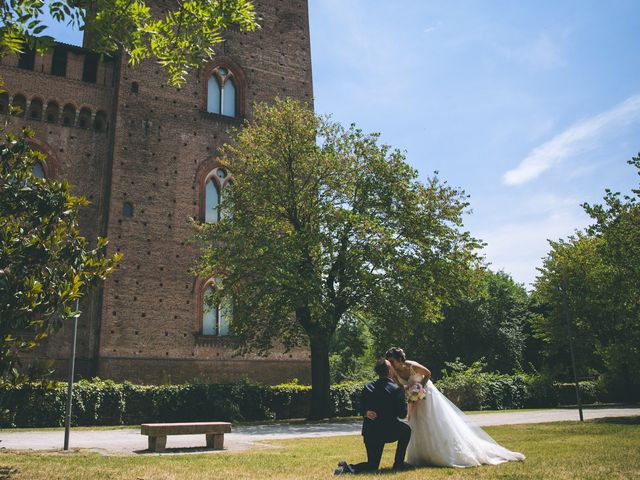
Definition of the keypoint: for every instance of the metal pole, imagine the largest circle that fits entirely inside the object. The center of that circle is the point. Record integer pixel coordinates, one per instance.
(72, 362)
(570, 335)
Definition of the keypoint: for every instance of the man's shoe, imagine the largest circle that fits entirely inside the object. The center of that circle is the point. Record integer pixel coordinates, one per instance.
(343, 467)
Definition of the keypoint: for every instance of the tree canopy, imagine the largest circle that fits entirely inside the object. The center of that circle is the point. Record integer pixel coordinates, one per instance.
(180, 40)
(598, 273)
(322, 221)
(45, 263)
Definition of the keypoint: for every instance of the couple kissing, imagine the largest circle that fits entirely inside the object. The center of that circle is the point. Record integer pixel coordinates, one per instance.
(435, 432)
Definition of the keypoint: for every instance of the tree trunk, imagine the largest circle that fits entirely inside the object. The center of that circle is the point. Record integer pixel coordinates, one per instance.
(320, 379)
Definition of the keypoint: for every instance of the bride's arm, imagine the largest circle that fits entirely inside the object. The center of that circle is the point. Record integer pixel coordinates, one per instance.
(422, 370)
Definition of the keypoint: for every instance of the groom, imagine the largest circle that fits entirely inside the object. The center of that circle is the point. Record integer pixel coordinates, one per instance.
(381, 404)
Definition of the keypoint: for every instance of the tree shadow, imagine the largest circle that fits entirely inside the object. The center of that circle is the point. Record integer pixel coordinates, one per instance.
(618, 420)
(6, 472)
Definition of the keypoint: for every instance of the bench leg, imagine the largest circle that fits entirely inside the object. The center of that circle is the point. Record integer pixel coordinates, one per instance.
(215, 441)
(157, 444)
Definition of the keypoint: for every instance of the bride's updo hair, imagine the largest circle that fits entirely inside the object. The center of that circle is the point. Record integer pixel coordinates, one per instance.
(397, 353)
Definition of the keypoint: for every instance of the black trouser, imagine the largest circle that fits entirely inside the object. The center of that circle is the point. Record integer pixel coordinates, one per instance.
(397, 432)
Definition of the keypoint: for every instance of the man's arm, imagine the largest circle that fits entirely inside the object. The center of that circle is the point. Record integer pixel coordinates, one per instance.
(401, 403)
(365, 405)
(364, 401)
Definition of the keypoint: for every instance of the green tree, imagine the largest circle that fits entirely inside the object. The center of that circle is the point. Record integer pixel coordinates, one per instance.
(45, 263)
(180, 41)
(488, 323)
(352, 354)
(572, 282)
(598, 273)
(321, 222)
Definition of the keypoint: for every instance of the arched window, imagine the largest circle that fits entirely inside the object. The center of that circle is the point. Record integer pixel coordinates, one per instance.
(19, 101)
(35, 109)
(69, 115)
(213, 194)
(38, 170)
(221, 93)
(215, 316)
(100, 122)
(84, 118)
(52, 113)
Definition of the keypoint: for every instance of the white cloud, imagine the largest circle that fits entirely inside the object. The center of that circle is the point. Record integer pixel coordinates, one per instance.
(580, 137)
(518, 247)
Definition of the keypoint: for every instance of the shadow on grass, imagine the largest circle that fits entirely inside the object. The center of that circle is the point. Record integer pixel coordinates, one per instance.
(175, 450)
(7, 472)
(617, 420)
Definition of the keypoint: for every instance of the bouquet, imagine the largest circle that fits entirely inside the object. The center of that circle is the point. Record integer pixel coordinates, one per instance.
(415, 392)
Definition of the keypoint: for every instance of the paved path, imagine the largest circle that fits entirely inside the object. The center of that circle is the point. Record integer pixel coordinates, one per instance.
(129, 441)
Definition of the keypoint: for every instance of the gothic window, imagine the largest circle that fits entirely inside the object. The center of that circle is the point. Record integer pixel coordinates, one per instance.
(215, 316)
(135, 88)
(35, 109)
(84, 118)
(213, 195)
(38, 170)
(69, 115)
(221, 93)
(52, 112)
(59, 62)
(19, 102)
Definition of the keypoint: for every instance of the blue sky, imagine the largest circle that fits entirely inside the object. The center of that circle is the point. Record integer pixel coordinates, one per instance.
(531, 107)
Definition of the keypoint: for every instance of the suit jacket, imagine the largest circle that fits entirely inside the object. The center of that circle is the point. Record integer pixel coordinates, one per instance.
(387, 399)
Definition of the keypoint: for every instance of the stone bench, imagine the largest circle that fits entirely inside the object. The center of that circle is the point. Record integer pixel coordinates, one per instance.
(157, 432)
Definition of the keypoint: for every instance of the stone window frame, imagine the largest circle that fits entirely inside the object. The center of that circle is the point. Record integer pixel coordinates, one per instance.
(202, 287)
(240, 83)
(207, 171)
(50, 164)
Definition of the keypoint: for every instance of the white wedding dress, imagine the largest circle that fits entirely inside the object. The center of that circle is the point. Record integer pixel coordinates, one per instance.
(443, 436)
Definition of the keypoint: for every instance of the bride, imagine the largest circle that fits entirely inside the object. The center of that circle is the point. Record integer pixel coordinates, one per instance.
(441, 434)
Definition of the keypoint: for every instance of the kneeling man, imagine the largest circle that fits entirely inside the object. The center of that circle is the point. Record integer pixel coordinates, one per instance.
(382, 404)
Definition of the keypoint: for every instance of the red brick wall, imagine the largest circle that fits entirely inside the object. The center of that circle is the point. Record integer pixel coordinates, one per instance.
(160, 141)
(75, 154)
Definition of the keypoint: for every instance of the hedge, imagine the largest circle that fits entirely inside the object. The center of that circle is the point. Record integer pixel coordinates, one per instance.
(471, 388)
(99, 402)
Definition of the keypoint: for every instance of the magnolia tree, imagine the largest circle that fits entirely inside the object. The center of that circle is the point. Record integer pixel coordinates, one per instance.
(45, 263)
(322, 222)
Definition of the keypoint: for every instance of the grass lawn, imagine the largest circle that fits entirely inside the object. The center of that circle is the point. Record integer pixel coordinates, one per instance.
(604, 449)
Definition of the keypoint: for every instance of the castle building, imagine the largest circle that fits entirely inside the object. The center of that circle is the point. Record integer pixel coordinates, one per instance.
(145, 155)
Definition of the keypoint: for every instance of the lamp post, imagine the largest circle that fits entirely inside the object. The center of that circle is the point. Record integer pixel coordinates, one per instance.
(72, 362)
(567, 317)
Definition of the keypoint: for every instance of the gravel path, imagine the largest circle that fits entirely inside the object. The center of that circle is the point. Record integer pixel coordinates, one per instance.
(129, 441)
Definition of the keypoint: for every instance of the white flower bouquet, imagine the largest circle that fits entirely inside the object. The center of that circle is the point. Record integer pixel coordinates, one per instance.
(415, 392)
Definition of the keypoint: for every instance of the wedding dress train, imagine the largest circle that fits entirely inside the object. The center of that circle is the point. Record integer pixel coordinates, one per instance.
(442, 435)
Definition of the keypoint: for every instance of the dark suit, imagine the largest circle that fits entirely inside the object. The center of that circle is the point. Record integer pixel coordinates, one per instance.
(387, 399)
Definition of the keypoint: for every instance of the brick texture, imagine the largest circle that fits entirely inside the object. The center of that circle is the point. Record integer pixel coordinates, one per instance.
(142, 324)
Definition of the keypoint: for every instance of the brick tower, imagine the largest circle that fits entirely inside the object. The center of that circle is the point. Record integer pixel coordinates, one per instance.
(145, 154)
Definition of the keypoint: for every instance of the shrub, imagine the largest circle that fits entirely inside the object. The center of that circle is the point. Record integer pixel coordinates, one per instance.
(99, 402)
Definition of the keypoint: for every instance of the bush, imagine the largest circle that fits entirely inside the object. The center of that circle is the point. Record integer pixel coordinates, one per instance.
(471, 388)
(590, 392)
(99, 402)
